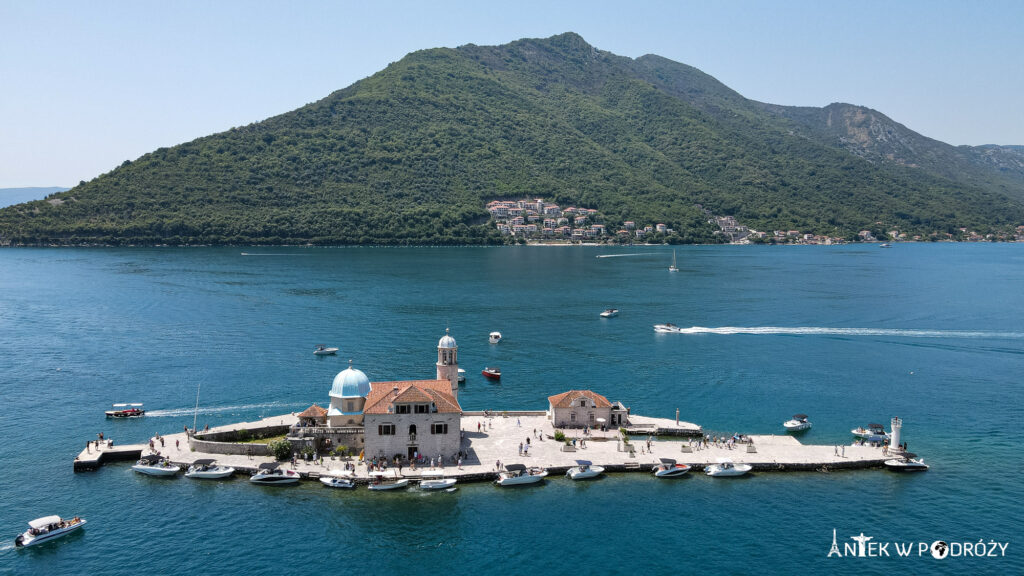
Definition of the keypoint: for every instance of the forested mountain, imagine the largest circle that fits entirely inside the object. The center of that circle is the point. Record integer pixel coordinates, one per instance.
(411, 155)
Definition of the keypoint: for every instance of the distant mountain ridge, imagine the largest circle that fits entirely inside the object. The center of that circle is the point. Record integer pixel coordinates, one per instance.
(411, 155)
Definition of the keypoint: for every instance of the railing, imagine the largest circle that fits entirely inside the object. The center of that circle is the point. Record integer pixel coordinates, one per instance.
(323, 430)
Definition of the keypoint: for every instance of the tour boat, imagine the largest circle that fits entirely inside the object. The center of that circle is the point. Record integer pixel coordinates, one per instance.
(271, 474)
(155, 465)
(495, 337)
(799, 423)
(338, 479)
(673, 268)
(377, 480)
(207, 468)
(47, 528)
(725, 467)
(610, 313)
(517, 474)
(584, 470)
(322, 350)
(907, 463)
(435, 480)
(494, 373)
(667, 328)
(870, 432)
(123, 410)
(669, 469)
(462, 375)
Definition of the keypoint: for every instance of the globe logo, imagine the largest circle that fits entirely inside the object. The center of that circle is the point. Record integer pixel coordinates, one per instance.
(940, 549)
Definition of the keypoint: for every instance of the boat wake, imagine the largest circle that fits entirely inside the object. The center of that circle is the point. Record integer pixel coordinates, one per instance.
(825, 331)
(620, 255)
(215, 409)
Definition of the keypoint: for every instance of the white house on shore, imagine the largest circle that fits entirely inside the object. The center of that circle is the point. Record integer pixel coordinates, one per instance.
(578, 408)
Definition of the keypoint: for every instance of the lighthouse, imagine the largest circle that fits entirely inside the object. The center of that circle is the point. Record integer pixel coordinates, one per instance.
(894, 436)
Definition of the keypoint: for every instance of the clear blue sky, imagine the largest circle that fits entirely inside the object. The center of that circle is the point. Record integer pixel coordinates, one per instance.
(87, 85)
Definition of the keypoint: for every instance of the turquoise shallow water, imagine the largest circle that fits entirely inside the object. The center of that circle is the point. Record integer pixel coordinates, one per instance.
(932, 333)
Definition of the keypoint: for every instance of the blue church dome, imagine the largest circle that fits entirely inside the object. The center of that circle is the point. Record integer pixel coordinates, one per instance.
(350, 383)
(446, 341)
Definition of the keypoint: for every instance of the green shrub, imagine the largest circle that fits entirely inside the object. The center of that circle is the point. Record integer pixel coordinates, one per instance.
(559, 436)
(281, 448)
(243, 435)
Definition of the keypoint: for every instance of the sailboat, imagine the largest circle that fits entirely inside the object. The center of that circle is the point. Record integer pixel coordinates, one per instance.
(673, 268)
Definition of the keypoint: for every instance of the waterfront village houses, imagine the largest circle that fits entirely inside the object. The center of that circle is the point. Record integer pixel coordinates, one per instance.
(578, 408)
(392, 418)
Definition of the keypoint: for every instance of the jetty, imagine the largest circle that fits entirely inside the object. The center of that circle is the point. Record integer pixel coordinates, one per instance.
(490, 438)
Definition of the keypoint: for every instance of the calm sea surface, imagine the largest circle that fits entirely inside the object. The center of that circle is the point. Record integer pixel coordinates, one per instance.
(850, 335)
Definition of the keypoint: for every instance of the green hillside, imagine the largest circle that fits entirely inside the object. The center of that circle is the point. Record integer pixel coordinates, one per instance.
(411, 154)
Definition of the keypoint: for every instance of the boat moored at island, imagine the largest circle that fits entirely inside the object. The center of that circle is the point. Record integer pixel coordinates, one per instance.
(46, 529)
(907, 462)
(519, 474)
(726, 468)
(610, 313)
(435, 480)
(462, 375)
(492, 372)
(339, 479)
(387, 480)
(207, 468)
(870, 432)
(322, 350)
(584, 470)
(494, 337)
(799, 423)
(271, 474)
(669, 468)
(155, 465)
(126, 410)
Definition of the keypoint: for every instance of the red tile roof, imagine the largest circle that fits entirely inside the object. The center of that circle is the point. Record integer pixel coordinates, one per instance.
(384, 394)
(565, 399)
(313, 411)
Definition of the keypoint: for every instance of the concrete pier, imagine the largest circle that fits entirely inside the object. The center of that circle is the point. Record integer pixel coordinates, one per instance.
(489, 439)
(95, 454)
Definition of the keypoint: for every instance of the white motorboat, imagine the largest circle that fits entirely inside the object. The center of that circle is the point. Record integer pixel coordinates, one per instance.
(435, 480)
(47, 528)
(799, 423)
(669, 468)
(495, 337)
(871, 431)
(667, 328)
(322, 350)
(207, 468)
(907, 463)
(339, 479)
(885, 245)
(726, 467)
(155, 465)
(271, 474)
(387, 480)
(584, 470)
(462, 375)
(610, 313)
(126, 410)
(518, 474)
(673, 268)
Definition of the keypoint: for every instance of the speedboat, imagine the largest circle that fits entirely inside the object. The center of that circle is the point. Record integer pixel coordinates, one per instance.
(207, 468)
(870, 432)
(271, 474)
(584, 470)
(885, 245)
(725, 467)
(462, 375)
(907, 463)
(126, 410)
(799, 423)
(377, 480)
(495, 337)
(435, 480)
(47, 528)
(517, 474)
(610, 313)
(669, 469)
(322, 350)
(338, 479)
(667, 328)
(494, 373)
(155, 465)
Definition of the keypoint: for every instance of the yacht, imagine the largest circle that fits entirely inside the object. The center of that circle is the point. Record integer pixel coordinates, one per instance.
(271, 474)
(673, 268)
(377, 480)
(870, 432)
(208, 468)
(725, 467)
(322, 350)
(610, 313)
(670, 469)
(517, 474)
(339, 479)
(584, 470)
(492, 372)
(668, 328)
(908, 462)
(799, 423)
(155, 465)
(47, 528)
(126, 410)
(435, 480)
(495, 337)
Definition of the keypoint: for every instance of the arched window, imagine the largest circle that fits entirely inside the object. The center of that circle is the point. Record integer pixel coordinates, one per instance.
(412, 430)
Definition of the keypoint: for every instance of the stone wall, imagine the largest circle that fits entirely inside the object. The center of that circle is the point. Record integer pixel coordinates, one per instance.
(223, 442)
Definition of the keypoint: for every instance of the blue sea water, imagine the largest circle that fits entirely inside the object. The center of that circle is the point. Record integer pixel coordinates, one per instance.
(850, 335)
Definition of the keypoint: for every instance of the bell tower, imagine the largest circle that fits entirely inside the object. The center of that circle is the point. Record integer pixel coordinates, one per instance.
(448, 362)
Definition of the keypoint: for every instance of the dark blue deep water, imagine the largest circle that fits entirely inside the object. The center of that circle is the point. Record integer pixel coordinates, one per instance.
(931, 333)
